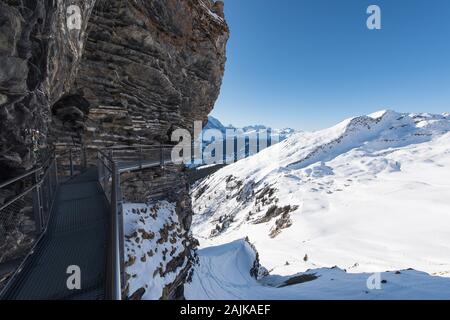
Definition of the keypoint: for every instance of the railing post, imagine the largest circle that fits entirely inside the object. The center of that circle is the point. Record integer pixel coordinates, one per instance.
(84, 158)
(56, 170)
(71, 162)
(161, 151)
(121, 241)
(53, 173)
(115, 287)
(99, 166)
(37, 204)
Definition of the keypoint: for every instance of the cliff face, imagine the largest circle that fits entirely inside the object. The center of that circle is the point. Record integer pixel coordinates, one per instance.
(39, 58)
(131, 74)
(146, 68)
(150, 67)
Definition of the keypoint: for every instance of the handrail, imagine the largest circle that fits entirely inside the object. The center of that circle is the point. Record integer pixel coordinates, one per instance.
(21, 177)
(109, 177)
(43, 191)
(20, 195)
(141, 146)
(35, 170)
(116, 225)
(40, 188)
(102, 152)
(108, 173)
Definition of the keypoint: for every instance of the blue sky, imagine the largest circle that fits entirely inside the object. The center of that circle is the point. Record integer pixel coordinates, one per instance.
(307, 64)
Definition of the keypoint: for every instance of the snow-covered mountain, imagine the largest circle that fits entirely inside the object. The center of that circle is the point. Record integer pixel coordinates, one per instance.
(249, 135)
(371, 194)
(214, 123)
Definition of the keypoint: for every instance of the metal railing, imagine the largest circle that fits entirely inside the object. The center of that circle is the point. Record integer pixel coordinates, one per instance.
(72, 161)
(24, 216)
(140, 157)
(109, 179)
(25, 206)
(111, 163)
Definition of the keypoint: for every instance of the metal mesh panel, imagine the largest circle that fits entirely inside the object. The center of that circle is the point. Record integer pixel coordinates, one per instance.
(71, 162)
(110, 163)
(25, 206)
(18, 233)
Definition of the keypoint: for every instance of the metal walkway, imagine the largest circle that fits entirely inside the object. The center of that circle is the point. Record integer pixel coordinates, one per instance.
(79, 224)
(76, 235)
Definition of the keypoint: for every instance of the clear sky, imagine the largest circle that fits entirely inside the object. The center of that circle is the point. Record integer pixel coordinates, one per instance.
(307, 64)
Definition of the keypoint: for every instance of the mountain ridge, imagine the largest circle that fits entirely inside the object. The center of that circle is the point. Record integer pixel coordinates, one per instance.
(352, 195)
(214, 123)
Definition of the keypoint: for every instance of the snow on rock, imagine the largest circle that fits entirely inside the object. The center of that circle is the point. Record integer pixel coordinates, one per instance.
(368, 195)
(155, 245)
(224, 272)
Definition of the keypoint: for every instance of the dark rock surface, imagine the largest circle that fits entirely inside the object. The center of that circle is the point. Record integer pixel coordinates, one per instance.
(130, 75)
(169, 183)
(149, 68)
(39, 58)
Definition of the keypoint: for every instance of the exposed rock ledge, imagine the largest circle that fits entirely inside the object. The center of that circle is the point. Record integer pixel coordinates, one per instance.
(134, 72)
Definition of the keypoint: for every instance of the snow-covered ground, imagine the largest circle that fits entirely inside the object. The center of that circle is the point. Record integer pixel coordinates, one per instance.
(223, 273)
(371, 194)
(153, 237)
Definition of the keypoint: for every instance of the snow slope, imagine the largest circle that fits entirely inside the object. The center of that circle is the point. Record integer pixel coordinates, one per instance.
(147, 257)
(223, 273)
(371, 194)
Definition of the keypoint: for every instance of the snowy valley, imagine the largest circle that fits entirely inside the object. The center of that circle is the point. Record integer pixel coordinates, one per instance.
(369, 195)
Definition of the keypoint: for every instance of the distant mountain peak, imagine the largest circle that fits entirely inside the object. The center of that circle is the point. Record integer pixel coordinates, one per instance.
(214, 123)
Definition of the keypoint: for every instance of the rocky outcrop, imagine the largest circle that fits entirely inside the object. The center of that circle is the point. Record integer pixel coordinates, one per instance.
(169, 183)
(130, 74)
(157, 251)
(39, 59)
(149, 68)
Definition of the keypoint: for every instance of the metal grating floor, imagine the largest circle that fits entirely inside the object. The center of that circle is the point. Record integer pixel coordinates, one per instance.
(76, 236)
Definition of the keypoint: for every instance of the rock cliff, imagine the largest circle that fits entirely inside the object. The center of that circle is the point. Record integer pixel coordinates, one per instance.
(39, 59)
(130, 74)
(150, 67)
